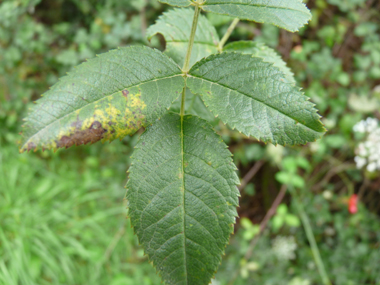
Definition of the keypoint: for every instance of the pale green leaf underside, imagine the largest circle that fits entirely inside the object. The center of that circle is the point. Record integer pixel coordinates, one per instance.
(175, 26)
(253, 97)
(288, 14)
(182, 198)
(266, 53)
(110, 96)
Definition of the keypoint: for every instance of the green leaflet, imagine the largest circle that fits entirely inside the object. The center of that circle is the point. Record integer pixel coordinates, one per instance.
(175, 26)
(178, 3)
(288, 14)
(108, 97)
(182, 198)
(266, 53)
(253, 97)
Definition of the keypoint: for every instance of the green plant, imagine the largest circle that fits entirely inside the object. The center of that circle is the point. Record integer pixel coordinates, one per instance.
(182, 192)
(283, 217)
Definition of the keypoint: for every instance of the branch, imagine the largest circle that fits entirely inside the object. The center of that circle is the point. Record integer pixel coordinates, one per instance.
(251, 173)
(263, 224)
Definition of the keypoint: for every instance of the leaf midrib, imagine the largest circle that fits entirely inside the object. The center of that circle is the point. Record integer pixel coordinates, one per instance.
(183, 185)
(93, 102)
(255, 99)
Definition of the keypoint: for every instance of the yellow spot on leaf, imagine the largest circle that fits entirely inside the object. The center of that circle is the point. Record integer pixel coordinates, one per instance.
(134, 100)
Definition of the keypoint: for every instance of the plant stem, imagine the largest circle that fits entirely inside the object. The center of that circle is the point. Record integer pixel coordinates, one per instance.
(310, 238)
(191, 40)
(251, 173)
(227, 34)
(273, 209)
(188, 56)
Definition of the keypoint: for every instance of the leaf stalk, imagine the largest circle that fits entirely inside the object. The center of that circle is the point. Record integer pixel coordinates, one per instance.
(191, 40)
(227, 34)
(186, 65)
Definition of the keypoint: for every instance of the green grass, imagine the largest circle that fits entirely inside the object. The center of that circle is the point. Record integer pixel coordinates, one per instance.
(63, 219)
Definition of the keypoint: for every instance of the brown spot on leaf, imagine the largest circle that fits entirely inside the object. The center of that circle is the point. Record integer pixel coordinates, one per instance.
(77, 124)
(91, 135)
(125, 93)
(31, 146)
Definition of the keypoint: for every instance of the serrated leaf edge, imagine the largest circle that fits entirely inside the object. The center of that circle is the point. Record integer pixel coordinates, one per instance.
(231, 225)
(315, 111)
(23, 143)
(307, 12)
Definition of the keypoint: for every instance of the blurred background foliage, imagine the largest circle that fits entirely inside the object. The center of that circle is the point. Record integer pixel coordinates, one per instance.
(62, 215)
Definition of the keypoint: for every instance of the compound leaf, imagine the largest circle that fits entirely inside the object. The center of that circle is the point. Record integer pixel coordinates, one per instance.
(253, 96)
(175, 26)
(105, 98)
(266, 53)
(288, 14)
(182, 198)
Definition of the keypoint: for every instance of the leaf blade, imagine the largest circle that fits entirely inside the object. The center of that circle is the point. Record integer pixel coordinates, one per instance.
(108, 97)
(177, 3)
(175, 26)
(266, 53)
(253, 97)
(192, 204)
(290, 15)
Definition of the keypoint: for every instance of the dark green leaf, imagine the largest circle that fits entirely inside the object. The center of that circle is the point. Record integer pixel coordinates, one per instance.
(182, 198)
(254, 97)
(175, 26)
(266, 53)
(290, 14)
(105, 98)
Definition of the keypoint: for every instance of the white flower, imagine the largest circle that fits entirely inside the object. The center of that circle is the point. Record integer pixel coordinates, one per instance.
(362, 150)
(368, 144)
(359, 127)
(371, 167)
(372, 124)
(284, 247)
(360, 162)
(368, 151)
